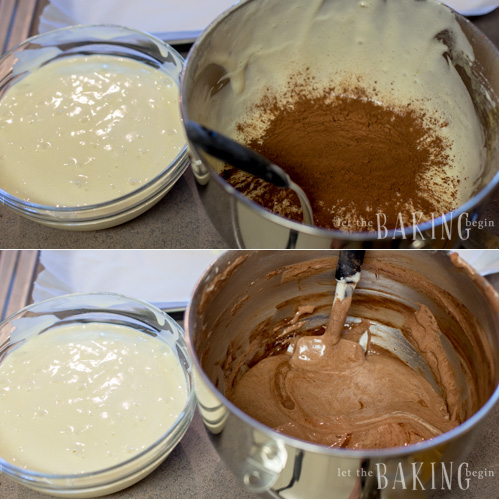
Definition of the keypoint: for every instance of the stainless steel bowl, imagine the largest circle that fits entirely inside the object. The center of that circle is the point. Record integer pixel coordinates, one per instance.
(245, 224)
(242, 288)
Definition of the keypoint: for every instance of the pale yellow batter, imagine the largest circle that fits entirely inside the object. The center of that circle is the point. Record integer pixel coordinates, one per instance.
(83, 397)
(87, 129)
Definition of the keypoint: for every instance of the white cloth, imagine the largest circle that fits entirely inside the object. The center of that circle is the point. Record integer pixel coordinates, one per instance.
(170, 20)
(483, 261)
(173, 20)
(164, 277)
(472, 7)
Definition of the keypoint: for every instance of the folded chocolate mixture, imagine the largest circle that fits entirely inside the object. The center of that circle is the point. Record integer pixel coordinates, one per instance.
(337, 395)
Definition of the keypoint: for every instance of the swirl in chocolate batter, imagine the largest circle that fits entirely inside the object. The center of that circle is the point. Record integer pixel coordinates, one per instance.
(323, 386)
(337, 395)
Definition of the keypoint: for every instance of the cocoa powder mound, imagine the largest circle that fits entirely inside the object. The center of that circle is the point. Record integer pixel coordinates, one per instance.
(354, 158)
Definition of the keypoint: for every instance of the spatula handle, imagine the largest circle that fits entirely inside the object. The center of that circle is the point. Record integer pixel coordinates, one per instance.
(235, 154)
(349, 263)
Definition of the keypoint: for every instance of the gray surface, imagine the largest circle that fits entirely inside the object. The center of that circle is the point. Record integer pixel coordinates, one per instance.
(194, 470)
(178, 221)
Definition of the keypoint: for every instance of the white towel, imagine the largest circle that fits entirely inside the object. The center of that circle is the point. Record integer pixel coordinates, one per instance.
(165, 277)
(472, 7)
(171, 20)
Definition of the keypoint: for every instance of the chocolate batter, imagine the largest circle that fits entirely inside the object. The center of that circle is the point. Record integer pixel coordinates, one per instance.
(340, 396)
(337, 391)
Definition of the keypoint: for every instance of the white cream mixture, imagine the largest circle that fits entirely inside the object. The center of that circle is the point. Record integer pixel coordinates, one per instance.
(83, 397)
(87, 129)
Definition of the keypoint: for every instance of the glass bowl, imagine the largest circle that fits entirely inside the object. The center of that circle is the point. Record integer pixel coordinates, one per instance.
(112, 309)
(134, 45)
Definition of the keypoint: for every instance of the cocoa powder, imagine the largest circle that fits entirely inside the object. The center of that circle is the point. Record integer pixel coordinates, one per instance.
(354, 158)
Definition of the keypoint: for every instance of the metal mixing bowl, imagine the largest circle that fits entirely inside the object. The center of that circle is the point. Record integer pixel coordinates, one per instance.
(245, 224)
(242, 289)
